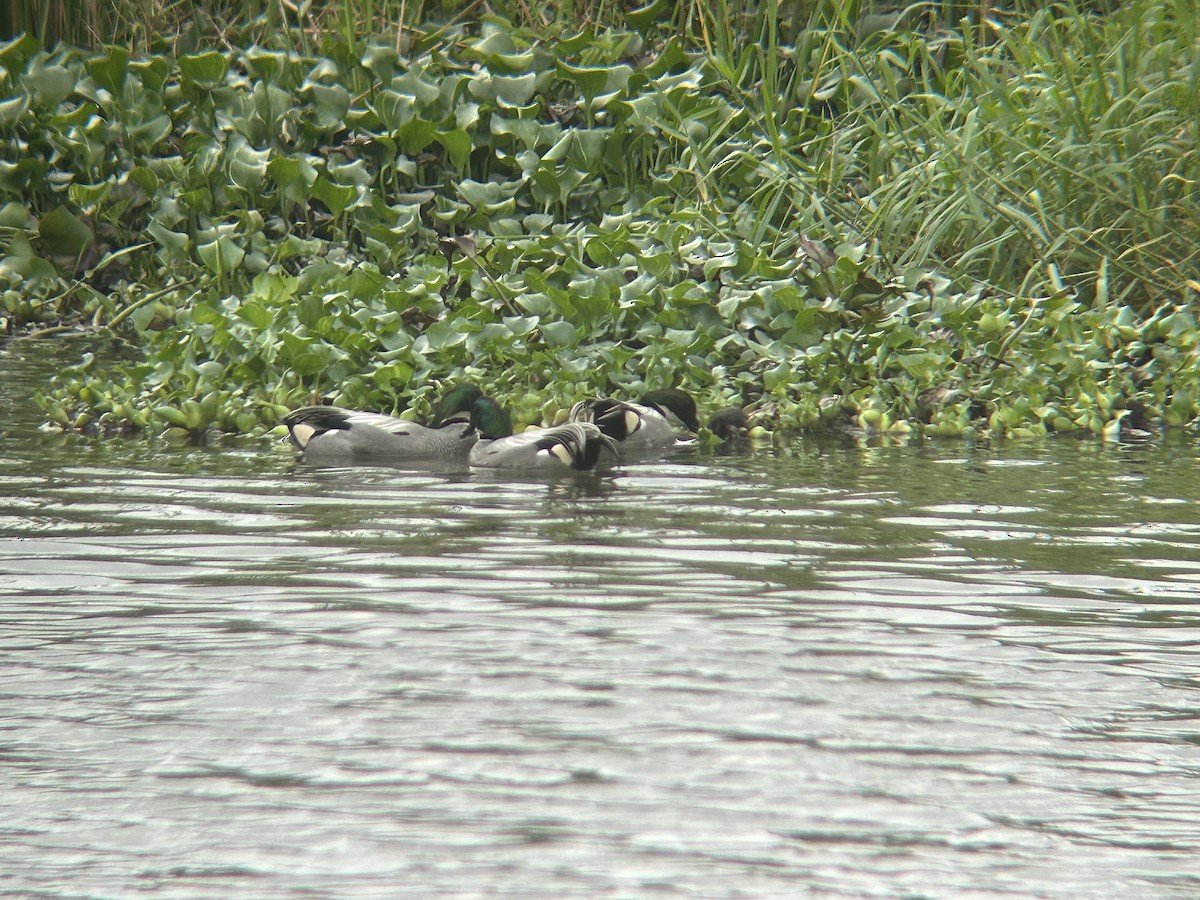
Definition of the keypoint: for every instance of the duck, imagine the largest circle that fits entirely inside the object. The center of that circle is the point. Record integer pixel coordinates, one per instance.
(644, 429)
(579, 446)
(333, 434)
(729, 424)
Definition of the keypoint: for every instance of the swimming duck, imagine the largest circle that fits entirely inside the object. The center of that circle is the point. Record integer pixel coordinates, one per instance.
(641, 429)
(332, 434)
(575, 445)
(729, 424)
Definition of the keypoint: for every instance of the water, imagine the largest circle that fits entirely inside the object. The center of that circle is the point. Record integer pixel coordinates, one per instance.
(840, 671)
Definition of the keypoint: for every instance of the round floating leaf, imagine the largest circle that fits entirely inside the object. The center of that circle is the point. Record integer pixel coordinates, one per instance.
(558, 334)
(520, 325)
(256, 314)
(265, 64)
(595, 80)
(466, 115)
(445, 334)
(355, 173)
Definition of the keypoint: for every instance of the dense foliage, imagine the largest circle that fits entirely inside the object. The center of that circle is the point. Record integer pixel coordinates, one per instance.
(879, 225)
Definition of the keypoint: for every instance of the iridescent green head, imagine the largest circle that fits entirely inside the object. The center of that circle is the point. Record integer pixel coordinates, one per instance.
(489, 419)
(458, 399)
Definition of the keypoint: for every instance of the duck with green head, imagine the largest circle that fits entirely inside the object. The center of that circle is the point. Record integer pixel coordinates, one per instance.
(645, 429)
(335, 435)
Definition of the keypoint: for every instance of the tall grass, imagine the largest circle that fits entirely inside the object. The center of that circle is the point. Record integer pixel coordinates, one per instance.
(713, 26)
(1060, 151)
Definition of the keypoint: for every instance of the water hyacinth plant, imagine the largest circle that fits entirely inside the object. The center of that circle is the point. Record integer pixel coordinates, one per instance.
(885, 224)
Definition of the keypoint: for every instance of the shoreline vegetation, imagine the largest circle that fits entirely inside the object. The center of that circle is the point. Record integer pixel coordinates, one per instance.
(957, 219)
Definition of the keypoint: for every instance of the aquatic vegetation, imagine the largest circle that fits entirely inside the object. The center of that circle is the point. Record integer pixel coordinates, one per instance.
(881, 227)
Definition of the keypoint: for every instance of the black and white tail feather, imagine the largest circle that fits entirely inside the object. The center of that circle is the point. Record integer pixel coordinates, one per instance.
(575, 445)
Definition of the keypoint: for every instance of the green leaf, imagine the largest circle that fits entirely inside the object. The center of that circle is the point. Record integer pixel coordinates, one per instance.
(141, 317)
(394, 376)
(331, 103)
(643, 17)
(444, 334)
(594, 80)
(110, 71)
(171, 415)
(310, 310)
(336, 197)
(394, 108)
(152, 72)
(89, 196)
(415, 135)
(205, 69)
(203, 313)
(145, 135)
(495, 41)
(15, 215)
(222, 255)
(515, 90)
(294, 175)
(458, 147)
(15, 53)
(381, 60)
(558, 334)
(22, 264)
(248, 167)
(63, 234)
(12, 110)
(49, 85)
(174, 243)
(520, 325)
(256, 314)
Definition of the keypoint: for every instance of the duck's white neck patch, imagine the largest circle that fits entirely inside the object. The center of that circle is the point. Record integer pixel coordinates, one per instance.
(562, 453)
(303, 434)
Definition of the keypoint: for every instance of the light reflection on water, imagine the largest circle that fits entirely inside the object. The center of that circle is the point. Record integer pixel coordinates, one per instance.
(843, 671)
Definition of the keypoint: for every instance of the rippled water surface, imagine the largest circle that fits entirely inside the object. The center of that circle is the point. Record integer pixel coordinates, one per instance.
(834, 670)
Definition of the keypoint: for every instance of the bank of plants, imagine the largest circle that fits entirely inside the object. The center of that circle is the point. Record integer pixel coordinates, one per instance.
(882, 225)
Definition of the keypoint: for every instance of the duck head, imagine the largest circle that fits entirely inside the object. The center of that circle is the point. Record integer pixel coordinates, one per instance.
(675, 404)
(489, 418)
(456, 404)
(729, 423)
